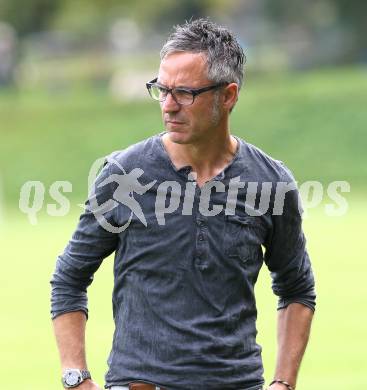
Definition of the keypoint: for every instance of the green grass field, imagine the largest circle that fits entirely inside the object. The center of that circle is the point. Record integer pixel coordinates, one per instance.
(315, 122)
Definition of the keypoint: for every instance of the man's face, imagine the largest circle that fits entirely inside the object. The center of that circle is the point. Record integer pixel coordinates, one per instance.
(197, 122)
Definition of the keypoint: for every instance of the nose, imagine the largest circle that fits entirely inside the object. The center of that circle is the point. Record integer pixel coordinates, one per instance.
(169, 104)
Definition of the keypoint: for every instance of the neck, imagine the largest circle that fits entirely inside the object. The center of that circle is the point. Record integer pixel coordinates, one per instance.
(206, 157)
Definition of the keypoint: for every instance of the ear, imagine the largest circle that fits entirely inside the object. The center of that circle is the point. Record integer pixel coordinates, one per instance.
(230, 96)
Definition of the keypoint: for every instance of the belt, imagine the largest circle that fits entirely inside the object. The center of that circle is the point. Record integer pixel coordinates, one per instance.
(137, 386)
(142, 386)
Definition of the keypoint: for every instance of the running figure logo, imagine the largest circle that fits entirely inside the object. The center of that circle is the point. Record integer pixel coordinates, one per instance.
(128, 184)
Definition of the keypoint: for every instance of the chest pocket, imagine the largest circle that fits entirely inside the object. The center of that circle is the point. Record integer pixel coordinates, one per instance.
(243, 237)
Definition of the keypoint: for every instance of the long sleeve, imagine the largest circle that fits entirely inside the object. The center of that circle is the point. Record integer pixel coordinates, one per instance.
(286, 255)
(89, 245)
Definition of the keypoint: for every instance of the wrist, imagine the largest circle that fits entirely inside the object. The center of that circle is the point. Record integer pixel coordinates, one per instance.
(276, 386)
(281, 384)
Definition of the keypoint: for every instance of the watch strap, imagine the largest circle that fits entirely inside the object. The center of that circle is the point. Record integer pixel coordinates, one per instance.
(85, 374)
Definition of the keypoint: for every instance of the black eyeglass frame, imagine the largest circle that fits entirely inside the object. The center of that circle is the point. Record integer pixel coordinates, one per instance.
(193, 91)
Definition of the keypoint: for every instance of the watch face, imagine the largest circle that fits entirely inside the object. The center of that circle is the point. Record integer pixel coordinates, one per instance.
(72, 378)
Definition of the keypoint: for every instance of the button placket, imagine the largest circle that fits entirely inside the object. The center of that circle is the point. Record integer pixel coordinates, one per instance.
(201, 244)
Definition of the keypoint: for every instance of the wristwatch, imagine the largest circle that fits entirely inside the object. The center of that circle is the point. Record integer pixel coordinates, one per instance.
(73, 377)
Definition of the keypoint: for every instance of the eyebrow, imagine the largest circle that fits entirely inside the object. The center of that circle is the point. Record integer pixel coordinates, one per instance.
(178, 86)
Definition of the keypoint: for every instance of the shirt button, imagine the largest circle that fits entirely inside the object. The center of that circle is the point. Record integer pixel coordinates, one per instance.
(203, 267)
(200, 222)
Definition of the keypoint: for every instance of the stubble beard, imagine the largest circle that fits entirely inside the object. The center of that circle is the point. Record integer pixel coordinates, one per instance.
(216, 115)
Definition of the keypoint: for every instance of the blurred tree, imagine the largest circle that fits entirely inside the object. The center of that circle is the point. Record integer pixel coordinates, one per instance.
(353, 14)
(8, 53)
(347, 15)
(93, 15)
(92, 18)
(28, 16)
(177, 12)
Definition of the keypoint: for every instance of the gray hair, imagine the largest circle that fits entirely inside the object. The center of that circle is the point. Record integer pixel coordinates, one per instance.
(224, 55)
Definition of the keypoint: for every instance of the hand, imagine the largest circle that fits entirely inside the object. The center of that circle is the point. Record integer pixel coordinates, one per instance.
(88, 384)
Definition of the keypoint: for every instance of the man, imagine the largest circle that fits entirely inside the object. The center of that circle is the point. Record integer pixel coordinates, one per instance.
(188, 245)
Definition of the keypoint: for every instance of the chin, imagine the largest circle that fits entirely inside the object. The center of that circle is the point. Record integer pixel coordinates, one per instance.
(178, 137)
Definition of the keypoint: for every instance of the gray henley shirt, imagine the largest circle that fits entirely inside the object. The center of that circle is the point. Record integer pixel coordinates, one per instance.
(183, 298)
